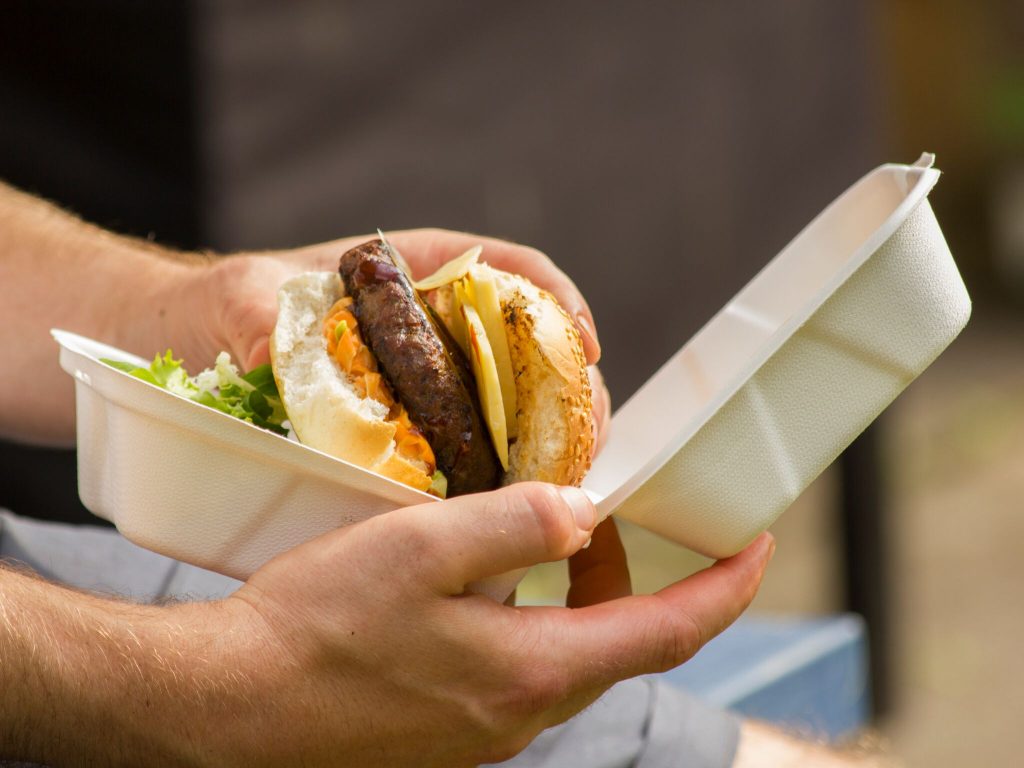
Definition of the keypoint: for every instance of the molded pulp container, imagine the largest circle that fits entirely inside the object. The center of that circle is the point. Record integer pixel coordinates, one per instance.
(708, 452)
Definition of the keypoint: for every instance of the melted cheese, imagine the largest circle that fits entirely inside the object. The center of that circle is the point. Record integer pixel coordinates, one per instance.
(450, 271)
(485, 300)
(485, 370)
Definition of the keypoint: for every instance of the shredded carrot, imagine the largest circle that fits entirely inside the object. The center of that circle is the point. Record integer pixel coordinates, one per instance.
(410, 440)
(355, 359)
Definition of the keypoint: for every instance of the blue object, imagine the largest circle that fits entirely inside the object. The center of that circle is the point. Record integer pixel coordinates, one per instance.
(809, 676)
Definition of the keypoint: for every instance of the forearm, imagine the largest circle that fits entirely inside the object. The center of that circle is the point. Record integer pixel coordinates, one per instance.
(58, 271)
(88, 681)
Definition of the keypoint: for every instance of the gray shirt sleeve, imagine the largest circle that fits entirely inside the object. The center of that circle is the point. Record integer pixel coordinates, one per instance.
(639, 723)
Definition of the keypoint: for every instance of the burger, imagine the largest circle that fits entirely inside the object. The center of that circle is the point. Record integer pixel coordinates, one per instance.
(463, 381)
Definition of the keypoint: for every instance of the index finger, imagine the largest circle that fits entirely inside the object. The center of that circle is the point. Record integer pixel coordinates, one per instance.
(427, 249)
(604, 643)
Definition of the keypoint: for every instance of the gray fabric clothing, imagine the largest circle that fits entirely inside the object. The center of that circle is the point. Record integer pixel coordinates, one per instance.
(640, 723)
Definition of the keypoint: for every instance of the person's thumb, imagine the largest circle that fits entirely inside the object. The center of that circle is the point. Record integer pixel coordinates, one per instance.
(469, 538)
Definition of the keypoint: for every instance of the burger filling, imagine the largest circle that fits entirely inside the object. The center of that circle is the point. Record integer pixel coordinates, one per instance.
(422, 365)
(346, 348)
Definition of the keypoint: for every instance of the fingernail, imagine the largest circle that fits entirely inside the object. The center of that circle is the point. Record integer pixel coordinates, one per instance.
(589, 336)
(583, 511)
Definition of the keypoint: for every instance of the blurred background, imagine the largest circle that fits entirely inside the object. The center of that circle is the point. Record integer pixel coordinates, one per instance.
(661, 153)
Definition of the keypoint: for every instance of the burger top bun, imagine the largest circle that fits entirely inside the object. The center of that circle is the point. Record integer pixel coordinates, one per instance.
(555, 433)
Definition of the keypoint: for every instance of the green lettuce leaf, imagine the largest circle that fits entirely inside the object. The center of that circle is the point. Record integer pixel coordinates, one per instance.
(251, 397)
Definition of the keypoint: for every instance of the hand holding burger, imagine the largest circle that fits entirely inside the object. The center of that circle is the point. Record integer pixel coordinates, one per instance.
(236, 305)
(459, 382)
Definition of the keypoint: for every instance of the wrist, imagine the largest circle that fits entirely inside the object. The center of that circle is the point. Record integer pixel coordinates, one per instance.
(160, 309)
(191, 687)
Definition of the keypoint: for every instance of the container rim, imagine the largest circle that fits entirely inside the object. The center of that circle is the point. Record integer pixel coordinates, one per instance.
(915, 181)
(223, 427)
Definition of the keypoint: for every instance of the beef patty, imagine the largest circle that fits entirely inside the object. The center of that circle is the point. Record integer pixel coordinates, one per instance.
(426, 369)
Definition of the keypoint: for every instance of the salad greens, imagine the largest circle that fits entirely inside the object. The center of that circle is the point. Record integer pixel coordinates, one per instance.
(251, 396)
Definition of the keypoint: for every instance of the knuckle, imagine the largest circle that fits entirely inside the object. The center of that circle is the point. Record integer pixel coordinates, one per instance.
(543, 687)
(526, 699)
(552, 519)
(530, 683)
(676, 637)
(515, 703)
(494, 722)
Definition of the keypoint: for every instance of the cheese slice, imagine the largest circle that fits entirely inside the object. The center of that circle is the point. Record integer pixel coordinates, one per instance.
(484, 292)
(456, 322)
(450, 271)
(485, 370)
(475, 322)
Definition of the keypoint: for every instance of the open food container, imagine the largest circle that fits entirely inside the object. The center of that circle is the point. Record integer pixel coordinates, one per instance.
(709, 452)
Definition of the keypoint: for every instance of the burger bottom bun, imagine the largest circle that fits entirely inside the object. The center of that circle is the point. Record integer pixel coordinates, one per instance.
(322, 405)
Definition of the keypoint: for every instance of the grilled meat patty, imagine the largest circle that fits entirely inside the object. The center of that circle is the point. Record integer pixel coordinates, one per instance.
(425, 368)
